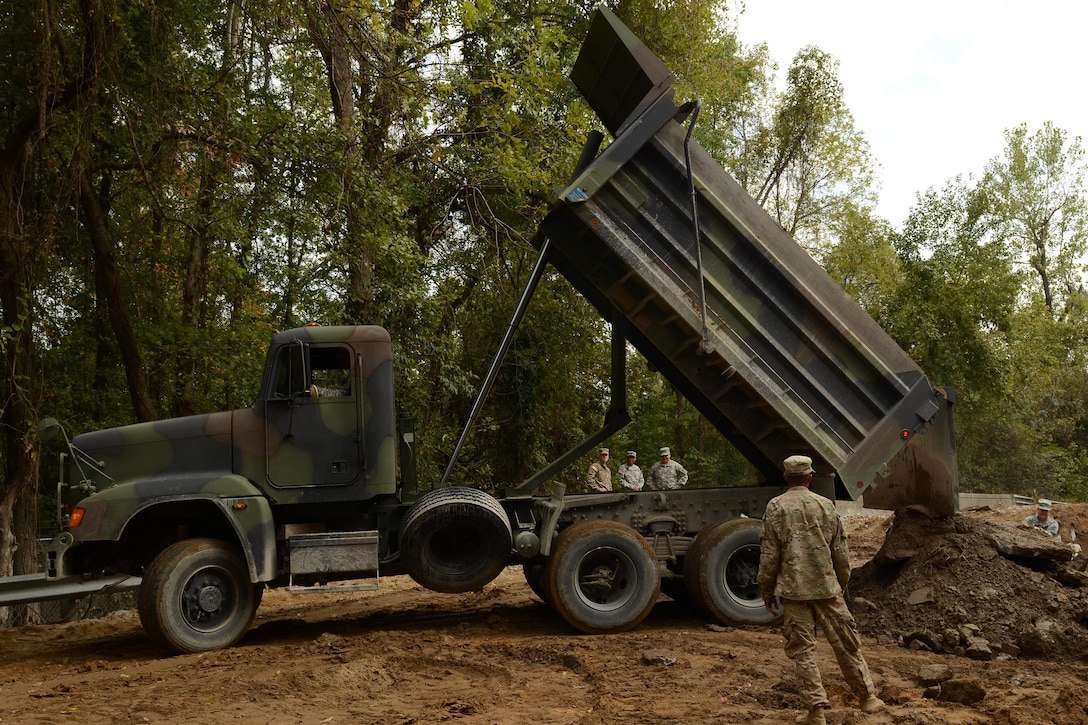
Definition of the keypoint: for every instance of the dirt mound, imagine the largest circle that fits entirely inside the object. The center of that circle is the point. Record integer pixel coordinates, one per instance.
(978, 586)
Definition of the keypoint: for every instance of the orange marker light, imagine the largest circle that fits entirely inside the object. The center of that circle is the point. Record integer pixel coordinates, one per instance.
(76, 518)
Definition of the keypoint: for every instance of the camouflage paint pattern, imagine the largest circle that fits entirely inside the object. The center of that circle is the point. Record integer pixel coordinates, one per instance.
(287, 450)
(790, 364)
(804, 560)
(803, 552)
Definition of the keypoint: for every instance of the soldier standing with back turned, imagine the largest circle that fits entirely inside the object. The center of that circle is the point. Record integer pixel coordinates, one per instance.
(804, 560)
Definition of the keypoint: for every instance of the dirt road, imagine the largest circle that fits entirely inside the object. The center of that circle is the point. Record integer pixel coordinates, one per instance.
(405, 655)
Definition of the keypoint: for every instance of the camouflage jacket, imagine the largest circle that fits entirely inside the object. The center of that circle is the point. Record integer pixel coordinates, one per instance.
(599, 477)
(1048, 527)
(630, 477)
(803, 552)
(667, 476)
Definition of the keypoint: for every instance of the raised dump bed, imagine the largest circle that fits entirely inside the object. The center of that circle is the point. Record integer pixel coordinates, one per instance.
(763, 342)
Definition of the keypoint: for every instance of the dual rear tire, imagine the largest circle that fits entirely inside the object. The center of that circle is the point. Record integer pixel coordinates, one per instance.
(602, 577)
(721, 569)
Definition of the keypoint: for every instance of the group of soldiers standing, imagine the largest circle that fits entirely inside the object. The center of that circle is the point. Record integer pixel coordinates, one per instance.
(666, 474)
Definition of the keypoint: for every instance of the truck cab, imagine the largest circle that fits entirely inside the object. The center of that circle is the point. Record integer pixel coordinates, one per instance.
(315, 454)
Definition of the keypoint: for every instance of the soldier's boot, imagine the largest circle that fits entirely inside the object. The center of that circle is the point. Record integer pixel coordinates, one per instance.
(814, 716)
(871, 704)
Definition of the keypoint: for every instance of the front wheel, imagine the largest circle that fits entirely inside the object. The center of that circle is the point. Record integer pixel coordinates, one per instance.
(721, 569)
(196, 596)
(601, 577)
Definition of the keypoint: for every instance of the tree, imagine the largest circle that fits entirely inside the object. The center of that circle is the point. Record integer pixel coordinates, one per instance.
(960, 310)
(37, 42)
(864, 259)
(1039, 207)
(808, 165)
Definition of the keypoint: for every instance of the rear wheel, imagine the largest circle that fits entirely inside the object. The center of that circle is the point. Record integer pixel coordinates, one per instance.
(455, 540)
(196, 596)
(721, 569)
(601, 577)
(534, 577)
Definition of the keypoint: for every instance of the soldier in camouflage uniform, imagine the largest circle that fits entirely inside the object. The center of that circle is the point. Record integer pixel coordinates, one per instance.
(667, 474)
(1042, 519)
(599, 475)
(804, 561)
(629, 474)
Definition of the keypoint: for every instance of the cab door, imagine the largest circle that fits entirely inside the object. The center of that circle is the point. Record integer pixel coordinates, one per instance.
(313, 419)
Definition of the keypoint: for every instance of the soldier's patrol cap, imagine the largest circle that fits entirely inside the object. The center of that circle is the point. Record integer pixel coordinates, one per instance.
(1044, 504)
(603, 451)
(664, 451)
(797, 466)
(632, 454)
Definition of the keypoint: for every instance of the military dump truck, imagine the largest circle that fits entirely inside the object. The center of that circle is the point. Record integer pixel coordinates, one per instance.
(314, 487)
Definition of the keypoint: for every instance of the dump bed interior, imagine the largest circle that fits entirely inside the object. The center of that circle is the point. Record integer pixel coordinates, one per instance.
(765, 344)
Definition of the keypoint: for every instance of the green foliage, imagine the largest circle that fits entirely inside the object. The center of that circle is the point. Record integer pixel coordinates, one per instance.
(802, 158)
(965, 313)
(864, 259)
(1040, 208)
(240, 199)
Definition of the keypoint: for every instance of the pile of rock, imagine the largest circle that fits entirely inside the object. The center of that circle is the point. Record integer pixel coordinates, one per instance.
(973, 588)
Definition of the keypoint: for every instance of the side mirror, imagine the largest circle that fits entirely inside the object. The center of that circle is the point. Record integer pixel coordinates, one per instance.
(48, 429)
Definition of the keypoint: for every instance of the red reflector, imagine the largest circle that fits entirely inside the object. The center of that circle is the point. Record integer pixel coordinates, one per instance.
(861, 484)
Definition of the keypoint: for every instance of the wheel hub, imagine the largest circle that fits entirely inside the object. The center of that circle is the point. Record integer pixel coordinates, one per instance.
(210, 598)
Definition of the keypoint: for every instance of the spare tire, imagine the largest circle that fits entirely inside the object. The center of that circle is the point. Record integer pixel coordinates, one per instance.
(455, 540)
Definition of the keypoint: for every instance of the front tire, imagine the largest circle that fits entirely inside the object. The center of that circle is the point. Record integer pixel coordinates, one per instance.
(601, 577)
(721, 569)
(196, 596)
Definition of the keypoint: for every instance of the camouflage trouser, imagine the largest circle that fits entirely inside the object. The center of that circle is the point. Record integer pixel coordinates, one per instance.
(799, 622)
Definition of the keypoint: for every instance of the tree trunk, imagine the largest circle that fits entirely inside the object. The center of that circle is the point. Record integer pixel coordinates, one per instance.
(367, 136)
(18, 384)
(94, 218)
(193, 303)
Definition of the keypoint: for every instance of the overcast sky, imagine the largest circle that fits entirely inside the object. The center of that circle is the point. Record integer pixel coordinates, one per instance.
(933, 85)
